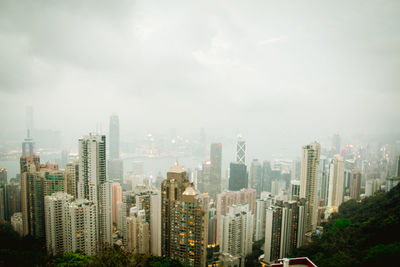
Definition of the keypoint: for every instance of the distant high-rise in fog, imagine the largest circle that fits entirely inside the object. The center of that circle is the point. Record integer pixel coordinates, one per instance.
(241, 150)
(114, 136)
(28, 146)
(238, 176)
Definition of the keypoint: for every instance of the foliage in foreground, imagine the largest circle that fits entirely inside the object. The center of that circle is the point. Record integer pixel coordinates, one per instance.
(361, 234)
(27, 251)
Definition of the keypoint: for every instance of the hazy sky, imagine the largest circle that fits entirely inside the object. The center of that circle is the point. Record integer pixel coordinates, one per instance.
(280, 72)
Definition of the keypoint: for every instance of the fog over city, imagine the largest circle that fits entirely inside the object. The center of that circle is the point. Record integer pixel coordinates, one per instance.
(281, 73)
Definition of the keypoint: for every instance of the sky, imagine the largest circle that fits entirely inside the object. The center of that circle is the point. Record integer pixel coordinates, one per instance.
(281, 73)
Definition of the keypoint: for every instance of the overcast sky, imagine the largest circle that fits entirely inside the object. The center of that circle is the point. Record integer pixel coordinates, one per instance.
(275, 71)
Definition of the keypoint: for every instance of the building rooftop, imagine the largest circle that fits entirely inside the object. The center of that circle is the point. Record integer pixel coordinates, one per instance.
(294, 262)
(177, 168)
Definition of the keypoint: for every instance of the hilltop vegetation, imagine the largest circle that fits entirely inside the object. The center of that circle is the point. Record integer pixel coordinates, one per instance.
(27, 251)
(362, 233)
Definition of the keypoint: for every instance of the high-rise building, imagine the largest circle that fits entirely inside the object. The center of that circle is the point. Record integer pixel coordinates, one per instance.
(116, 197)
(114, 136)
(184, 219)
(238, 177)
(92, 166)
(37, 184)
(324, 174)
(285, 224)
(105, 215)
(335, 143)
(266, 200)
(267, 176)
(237, 231)
(309, 182)
(116, 170)
(28, 146)
(294, 189)
(3, 203)
(150, 202)
(3, 176)
(28, 165)
(228, 198)
(256, 176)
(72, 176)
(215, 172)
(16, 223)
(121, 220)
(336, 182)
(81, 227)
(138, 232)
(240, 150)
(55, 222)
(212, 226)
(355, 184)
(13, 191)
(204, 177)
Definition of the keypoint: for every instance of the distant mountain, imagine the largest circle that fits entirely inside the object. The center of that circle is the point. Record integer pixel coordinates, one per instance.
(365, 233)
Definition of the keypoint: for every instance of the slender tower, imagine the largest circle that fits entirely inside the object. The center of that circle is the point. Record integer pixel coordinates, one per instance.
(309, 182)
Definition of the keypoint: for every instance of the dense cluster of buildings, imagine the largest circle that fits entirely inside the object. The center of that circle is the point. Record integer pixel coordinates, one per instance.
(87, 206)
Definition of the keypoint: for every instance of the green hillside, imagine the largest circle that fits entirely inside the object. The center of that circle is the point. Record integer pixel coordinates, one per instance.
(365, 233)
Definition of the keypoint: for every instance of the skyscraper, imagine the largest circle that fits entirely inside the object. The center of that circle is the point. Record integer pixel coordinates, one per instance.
(92, 183)
(256, 176)
(204, 177)
(285, 223)
(72, 176)
(55, 222)
(240, 150)
(355, 184)
(237, 231)
(92, 166)
(105, 215)
(335, 143)
(228, 198)
(215, 172)
(336, 182)
(114, 137)
(3, 176)
(116, 197)
(184, 220)
(138, 232)
(267, 176)
(150, 202)
(81, 227)
(238, 176)
(309, 182)
(28, 146)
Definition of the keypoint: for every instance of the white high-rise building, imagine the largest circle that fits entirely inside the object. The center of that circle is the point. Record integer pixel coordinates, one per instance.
(309, 182)
(105, 215)
(121, 219)
(228, 198)
(237, 231)
(80, 227)
(336, 182)
(262, 204)
(150, 202)
(92, 166)
(55, 221)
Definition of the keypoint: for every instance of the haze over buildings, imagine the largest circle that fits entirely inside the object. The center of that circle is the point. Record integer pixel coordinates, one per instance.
(257, 68)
